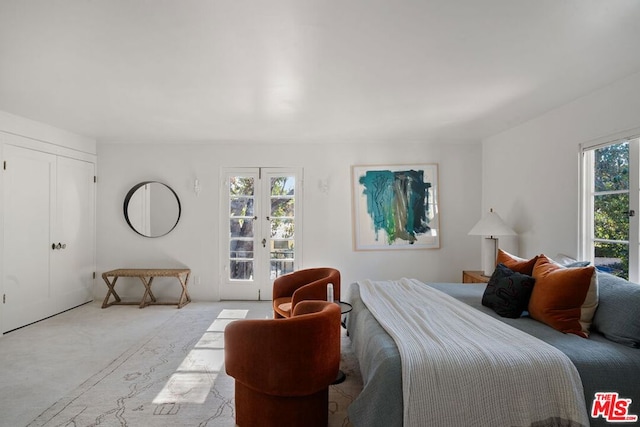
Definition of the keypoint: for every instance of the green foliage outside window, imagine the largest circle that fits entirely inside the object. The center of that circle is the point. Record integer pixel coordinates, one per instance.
(282, 207)
(611, 218)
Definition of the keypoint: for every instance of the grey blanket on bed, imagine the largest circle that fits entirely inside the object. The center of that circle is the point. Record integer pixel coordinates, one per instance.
(457, 361)
(602, 364)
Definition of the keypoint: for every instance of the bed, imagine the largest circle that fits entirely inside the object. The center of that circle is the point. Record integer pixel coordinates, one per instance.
(603, 365)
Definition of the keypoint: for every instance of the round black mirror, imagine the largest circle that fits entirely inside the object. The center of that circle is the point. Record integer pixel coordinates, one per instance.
(152, 209)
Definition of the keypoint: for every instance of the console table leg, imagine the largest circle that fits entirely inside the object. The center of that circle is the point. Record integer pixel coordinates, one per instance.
(184, 296)
(147, 291)
(111, 291)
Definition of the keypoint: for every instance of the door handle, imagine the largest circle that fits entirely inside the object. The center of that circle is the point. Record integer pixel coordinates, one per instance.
(264, 243)
(58, 246)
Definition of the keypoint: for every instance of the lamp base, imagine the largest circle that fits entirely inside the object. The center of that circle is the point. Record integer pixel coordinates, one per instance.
(489, 255)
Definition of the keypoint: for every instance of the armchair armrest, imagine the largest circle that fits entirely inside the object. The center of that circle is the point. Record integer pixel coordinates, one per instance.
(316, 291)
(287, 285)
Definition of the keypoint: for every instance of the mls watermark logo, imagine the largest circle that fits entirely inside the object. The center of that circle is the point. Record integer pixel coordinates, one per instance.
(612, 408)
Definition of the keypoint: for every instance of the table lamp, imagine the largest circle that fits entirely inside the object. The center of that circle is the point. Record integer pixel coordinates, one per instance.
(491, 225)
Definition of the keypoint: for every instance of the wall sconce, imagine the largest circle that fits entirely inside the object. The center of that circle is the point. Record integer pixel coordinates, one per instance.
(196, 187)
(323, 185)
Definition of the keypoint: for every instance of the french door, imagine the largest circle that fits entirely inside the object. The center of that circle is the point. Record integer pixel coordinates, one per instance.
(260, 229)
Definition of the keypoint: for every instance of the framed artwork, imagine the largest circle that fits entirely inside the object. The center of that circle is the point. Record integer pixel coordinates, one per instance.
(395, 207)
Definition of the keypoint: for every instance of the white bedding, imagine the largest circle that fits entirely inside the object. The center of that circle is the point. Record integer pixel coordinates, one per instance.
(462, 367)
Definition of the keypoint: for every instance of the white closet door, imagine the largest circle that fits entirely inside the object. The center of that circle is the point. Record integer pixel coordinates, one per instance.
(28, 183)
(72, 264)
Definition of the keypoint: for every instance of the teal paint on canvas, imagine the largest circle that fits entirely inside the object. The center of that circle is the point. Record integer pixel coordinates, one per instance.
(398, 203)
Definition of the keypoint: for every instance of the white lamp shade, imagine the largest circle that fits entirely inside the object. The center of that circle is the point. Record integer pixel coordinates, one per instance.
(491, 225)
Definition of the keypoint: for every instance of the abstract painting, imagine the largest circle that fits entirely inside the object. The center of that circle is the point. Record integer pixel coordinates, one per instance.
(395, 207)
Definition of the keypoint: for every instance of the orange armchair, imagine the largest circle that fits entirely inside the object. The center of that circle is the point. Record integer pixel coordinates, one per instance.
(308, 284)
(283, 367)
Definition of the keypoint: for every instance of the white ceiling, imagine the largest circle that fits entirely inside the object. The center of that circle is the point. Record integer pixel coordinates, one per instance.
(315, 70)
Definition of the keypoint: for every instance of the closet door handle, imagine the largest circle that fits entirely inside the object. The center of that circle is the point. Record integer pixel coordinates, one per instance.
(58, 246)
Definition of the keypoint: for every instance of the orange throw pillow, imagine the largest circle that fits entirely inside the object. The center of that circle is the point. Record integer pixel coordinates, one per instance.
(564, 298)
(520, 265)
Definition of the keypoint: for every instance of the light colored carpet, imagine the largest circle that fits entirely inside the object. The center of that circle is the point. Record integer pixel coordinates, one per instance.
(175, 376)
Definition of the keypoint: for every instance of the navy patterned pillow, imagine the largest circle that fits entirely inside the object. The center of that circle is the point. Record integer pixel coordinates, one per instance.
(508, 292)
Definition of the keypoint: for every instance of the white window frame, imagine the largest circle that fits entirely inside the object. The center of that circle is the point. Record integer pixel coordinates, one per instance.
(585, 234)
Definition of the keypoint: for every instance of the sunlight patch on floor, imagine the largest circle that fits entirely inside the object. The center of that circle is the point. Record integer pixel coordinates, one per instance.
(194, 378)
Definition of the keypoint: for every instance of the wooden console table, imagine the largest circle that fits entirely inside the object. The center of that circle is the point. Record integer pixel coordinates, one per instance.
(146, 275)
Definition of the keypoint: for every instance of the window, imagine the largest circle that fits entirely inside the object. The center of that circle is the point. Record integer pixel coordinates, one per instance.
(609, 206)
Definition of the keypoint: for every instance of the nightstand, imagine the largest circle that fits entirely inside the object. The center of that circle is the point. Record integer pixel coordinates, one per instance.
(473, 277)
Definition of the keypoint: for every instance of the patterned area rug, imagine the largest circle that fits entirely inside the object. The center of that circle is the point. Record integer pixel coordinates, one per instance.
(176, 377)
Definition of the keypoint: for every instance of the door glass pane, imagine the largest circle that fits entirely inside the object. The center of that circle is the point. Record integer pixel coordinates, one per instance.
(241, 227)
(282, 225)
(282, 206)
(241, 249)
(283, 185)
(241, 186)
(281, 257)
(241, 207)
(241, 270)
(282, 228)
(241, 263)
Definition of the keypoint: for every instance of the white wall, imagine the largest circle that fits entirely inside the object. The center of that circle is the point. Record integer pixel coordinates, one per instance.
(531, 172)
(38, 131)
(327, 216)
